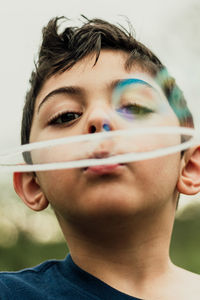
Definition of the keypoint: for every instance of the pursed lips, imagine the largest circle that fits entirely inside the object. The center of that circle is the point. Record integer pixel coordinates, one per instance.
(102, 169)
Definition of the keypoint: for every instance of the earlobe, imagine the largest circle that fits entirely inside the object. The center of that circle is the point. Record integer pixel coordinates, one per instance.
(189, 180)
(27, 187)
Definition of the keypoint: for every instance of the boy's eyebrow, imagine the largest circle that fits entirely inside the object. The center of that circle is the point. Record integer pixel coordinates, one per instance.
(74, 90)
(69, 90)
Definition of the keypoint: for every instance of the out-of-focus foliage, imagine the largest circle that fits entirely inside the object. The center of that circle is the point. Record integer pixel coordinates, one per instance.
(27, 238)
(185, 245)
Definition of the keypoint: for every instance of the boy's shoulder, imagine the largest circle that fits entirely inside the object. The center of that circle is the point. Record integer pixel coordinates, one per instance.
(28, 283)
(29, 273)
(56, 279)
(186, 285)
(188, 276)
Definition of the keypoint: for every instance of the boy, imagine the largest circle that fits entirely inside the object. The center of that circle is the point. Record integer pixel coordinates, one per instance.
(117, 219)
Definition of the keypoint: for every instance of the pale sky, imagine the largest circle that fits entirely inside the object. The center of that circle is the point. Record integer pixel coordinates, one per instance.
(170, 28)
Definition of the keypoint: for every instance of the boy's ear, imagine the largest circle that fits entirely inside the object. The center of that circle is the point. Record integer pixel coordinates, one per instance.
(27, 187)
(189, 179)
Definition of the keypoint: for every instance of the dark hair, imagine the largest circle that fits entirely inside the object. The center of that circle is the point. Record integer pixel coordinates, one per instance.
(61, 51)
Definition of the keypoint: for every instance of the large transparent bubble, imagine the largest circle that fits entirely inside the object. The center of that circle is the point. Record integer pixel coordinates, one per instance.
(151, 119)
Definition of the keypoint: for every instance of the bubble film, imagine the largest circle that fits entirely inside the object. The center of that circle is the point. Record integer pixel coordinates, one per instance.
(152, 120)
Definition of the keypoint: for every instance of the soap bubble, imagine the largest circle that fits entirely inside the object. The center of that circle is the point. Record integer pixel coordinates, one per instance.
(152, 119)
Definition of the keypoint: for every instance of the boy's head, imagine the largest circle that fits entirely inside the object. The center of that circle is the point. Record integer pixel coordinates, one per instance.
(70, 93)
(61, 51)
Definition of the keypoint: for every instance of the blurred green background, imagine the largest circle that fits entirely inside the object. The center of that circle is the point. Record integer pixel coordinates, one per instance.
(28, 238)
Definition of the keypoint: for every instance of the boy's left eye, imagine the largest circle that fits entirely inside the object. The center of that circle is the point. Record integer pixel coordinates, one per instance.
(65, 118)
(135, 109)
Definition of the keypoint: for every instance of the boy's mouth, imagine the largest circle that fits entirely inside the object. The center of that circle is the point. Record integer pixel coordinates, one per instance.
(103, 169)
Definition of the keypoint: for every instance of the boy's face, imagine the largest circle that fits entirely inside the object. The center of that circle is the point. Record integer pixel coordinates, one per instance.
(119, 190)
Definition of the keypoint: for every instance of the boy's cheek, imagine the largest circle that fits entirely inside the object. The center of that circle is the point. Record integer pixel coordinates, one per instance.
(152, 179)
(57, 183)
(159, 174)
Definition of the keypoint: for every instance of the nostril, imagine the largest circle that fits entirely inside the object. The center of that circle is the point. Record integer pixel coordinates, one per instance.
(92, 129)
(106, 127)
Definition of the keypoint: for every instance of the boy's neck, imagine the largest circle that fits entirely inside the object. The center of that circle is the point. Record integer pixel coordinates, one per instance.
(125, 255)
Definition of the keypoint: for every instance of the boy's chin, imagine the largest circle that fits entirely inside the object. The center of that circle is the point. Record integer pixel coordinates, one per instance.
(107, 208)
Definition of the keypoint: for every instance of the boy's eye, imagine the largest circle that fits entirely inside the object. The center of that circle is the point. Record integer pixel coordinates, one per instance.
(135, 109)
(65, 118)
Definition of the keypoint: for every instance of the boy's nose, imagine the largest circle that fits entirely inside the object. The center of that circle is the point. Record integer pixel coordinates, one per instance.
(99, 120)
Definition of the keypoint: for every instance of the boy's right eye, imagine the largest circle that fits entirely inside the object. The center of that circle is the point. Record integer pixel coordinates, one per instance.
(64, 118)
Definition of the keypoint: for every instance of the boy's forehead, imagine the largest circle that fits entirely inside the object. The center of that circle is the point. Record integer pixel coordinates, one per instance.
(86, 73)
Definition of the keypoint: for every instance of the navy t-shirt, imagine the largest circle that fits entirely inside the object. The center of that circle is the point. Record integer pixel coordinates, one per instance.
(56, 279)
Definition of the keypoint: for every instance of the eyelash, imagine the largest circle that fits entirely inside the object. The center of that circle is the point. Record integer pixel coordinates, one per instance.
(54, 121)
